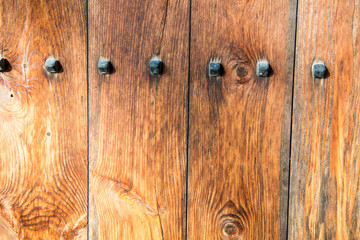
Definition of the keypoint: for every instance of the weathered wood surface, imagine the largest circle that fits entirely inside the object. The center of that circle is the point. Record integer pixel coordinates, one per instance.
(240, 124)
(325, 166)
(43, 130)
(138, 122)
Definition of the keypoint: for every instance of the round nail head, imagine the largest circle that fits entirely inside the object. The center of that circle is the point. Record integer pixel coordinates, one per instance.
(52, 65)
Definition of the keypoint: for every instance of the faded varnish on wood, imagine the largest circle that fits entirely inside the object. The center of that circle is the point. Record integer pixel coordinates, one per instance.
(325, 165)
(43, 119)
(138, 121)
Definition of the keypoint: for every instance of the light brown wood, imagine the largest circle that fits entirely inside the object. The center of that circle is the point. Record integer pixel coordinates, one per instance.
(138, 122)
(240, 123)
(325, 166)
(43, 121)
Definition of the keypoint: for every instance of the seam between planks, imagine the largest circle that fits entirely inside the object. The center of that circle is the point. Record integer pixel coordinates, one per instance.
(188, 124)
(292, 114)
(88, 115)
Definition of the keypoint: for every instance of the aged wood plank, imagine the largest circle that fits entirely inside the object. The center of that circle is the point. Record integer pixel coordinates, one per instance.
(138, 122)
(43, 121)
(325, 166)
(240, 123)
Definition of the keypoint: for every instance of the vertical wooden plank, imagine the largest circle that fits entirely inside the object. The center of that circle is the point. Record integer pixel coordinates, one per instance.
(138, 121)
(325, 166)
(43, 121)
(240, 123)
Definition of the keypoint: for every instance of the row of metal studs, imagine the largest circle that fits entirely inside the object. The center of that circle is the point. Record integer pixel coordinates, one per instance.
(215, 69)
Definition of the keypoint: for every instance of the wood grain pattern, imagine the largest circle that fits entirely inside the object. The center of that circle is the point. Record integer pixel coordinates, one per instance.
(240, 123)
(325, 167)
(138, 122)
(43, 166)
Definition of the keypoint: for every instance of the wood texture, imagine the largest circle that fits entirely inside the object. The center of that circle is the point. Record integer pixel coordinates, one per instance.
(240, 123)
(43, 130)
(138, 122)
(238, 127)
(325, 167)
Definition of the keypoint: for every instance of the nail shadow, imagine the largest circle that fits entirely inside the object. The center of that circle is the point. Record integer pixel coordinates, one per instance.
(271, 71)
(60, 68)
(327, 73)
(112, 69)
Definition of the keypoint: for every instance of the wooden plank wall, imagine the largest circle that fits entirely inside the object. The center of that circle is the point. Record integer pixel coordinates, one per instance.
(325, 166)
(182, 155)
(137, 121)
(43, 121)
(240, 124)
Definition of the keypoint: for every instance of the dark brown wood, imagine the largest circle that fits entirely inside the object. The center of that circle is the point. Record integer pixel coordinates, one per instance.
(138, 121)
(43, 121)
(240, 123)
(325, 166)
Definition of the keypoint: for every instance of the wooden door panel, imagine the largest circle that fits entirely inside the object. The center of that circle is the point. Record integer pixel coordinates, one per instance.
(43, 121)
(325, 166)
(138, 121)
(239, 123)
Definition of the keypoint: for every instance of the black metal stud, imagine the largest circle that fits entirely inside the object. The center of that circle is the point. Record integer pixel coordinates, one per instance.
(52, 65)
(156, 66)
(319, 69)
(4, 65)
(263, 69)
(215, 69)
(104, 66)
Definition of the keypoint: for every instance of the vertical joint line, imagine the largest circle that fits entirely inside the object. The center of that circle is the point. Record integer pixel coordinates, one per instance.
(88, 115)
(188, 124)
(292, 114)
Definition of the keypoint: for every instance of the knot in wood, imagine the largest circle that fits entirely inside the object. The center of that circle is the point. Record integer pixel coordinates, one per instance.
(231, 222)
